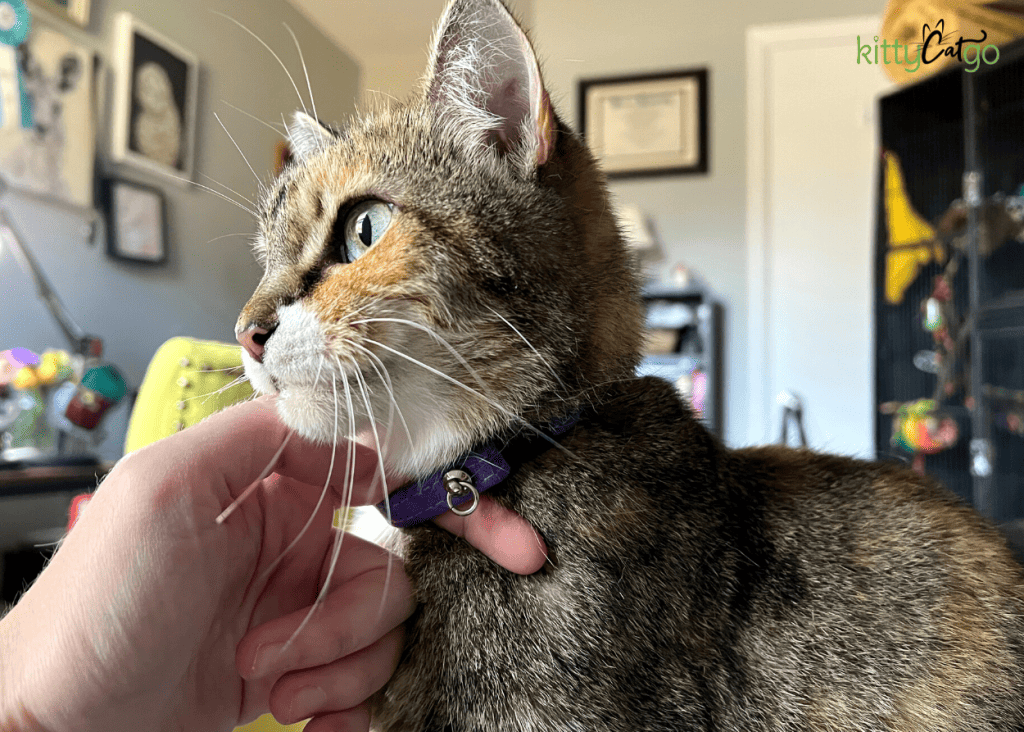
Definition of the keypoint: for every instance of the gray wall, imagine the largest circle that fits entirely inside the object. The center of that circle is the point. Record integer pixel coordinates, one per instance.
(700, 219)
(210, 274)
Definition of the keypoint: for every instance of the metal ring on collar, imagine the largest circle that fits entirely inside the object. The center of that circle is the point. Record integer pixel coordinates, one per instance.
(465, 511)
(457, 483)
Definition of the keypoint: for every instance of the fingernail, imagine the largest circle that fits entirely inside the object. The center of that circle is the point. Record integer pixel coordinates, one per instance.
(267, 657)
(307, 701)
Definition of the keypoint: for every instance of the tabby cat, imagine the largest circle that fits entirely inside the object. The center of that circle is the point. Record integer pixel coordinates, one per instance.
(450, 271)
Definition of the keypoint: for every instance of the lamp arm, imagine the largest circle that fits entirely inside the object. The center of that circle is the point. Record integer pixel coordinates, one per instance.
(80, 341)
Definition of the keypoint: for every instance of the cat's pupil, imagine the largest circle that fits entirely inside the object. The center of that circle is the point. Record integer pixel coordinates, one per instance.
(366, 231)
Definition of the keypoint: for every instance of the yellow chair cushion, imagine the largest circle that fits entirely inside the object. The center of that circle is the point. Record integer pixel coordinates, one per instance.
(187, 381)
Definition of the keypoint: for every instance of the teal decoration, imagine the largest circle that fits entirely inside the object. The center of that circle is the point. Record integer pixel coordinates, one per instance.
(27, 120)
(106, 381)
(15, 22)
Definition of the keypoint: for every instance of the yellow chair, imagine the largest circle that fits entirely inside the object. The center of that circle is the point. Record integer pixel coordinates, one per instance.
(187, 381)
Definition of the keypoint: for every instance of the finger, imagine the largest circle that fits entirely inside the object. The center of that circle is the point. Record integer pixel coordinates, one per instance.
(338, 686)
(349, 618)
(351, 720)
(501, 534)
(251, 433)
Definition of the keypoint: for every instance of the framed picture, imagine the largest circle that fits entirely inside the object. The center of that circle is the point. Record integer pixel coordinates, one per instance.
(654, 124)
(77, 11)
(47, 140)
(154, 100)
(136, 222)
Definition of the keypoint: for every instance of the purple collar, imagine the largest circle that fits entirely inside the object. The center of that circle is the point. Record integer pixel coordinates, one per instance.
(451, 487)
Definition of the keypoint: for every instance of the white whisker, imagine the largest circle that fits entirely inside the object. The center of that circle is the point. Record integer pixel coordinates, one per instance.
(323, 494)
(530, 345)
(229, 190)
(259, 182)
(238, 381)
(475, 393)
(386, 381)
(272, 53)
(337, 539)
(217, 193)
(433, 334)
(266, 124)
(256, 483)
(383, 486)
(305, 70)
(227, 236)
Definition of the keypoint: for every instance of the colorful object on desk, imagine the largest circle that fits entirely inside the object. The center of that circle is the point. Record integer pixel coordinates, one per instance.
(101, 388)
(23, 356)
(29, 427)
(912, 242)
(54, 367)
(12, 361)
(24, 370)
(26, 379)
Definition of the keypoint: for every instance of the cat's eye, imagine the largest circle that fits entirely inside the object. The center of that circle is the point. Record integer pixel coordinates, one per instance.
(364, 226)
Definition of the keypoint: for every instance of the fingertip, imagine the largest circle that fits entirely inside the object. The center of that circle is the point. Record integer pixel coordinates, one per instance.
(501, 534)
(351, 720)
(518, 547)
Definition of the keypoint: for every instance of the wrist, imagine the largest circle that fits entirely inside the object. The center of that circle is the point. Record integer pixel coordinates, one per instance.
(14, 717)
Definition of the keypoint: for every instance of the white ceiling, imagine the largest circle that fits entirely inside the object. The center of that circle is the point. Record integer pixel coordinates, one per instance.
(370, 28)
(387, 38)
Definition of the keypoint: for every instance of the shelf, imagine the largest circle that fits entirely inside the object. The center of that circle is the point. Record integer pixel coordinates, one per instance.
(674, 294)
(1002, 317)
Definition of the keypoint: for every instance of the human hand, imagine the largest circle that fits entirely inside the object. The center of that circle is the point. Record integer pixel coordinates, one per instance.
(149, 615)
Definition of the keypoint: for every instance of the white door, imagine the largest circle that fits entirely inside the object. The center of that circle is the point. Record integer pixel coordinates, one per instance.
(812, 166)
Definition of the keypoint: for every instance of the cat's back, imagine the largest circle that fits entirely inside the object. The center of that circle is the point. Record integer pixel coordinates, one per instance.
(696, 587)
(904, 609)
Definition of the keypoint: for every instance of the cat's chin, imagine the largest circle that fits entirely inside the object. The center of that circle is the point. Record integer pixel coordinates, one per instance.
(304, 410)
(430, 442)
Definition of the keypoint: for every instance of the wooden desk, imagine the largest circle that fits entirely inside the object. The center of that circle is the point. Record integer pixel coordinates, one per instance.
(51, 479)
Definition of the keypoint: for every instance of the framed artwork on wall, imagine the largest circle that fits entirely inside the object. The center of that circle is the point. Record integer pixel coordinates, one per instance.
(154, 100)
(136, 222)
(47, 140)
(651, 124)
(77, 11)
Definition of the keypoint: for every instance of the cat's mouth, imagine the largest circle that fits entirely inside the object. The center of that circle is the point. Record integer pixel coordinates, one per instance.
(385, 378)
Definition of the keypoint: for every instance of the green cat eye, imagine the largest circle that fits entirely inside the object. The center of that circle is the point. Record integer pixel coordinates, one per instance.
(365, 225)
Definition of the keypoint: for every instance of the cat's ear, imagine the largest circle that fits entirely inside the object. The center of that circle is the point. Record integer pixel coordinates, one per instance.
(308, 136)
(483, 76)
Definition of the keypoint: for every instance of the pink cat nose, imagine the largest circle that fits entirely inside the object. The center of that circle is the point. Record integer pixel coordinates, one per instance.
(253, 339)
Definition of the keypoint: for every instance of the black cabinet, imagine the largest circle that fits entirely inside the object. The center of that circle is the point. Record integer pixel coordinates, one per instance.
(949, 276)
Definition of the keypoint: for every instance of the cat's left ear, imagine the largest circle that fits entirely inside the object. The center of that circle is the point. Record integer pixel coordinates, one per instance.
(484, 76)
(308, 136)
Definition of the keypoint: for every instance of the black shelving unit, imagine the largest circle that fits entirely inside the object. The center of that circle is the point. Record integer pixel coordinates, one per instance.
(960, 135)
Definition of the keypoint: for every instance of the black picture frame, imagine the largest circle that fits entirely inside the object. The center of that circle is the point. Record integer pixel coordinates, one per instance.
(673, 107)
(155, 96)
(136, 221)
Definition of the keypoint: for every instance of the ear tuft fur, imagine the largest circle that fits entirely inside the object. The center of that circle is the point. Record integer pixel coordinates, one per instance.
(308, 136)
(483, 78)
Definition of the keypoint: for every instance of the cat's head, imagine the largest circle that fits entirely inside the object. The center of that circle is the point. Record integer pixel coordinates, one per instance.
(450, 267)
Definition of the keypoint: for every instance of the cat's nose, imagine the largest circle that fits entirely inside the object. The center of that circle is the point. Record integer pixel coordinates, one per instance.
(253, 340)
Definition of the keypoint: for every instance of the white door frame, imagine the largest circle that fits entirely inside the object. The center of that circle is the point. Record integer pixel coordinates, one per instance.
(762, 42)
